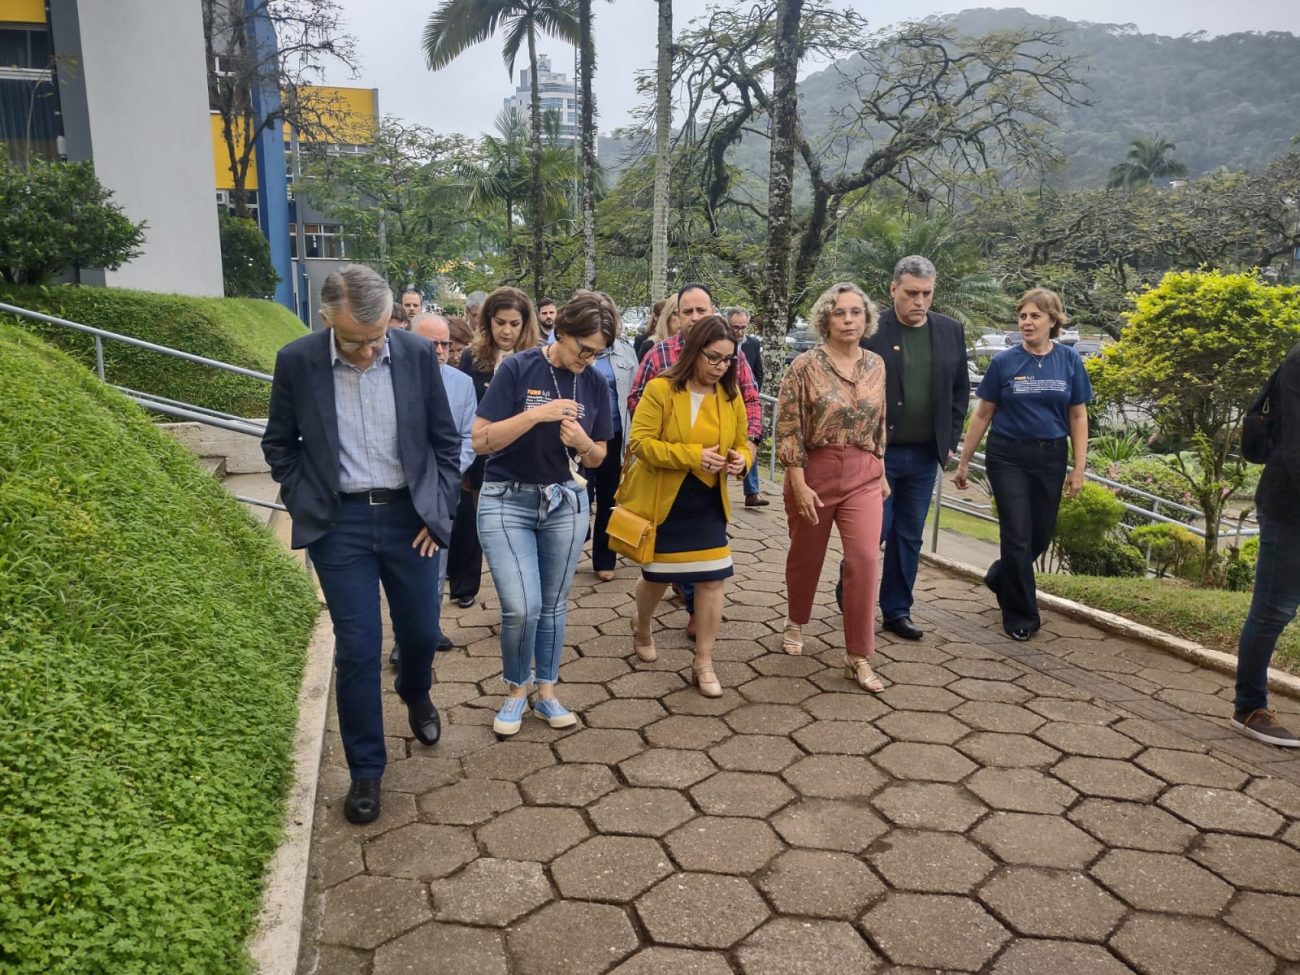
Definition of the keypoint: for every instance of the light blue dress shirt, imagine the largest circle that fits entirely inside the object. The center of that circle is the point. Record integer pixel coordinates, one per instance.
(460, 394)
(367, 419)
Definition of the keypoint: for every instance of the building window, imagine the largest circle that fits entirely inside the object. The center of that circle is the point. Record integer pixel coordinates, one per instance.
(223, 66)
(224, 205)
(322, 240)
(25, 48)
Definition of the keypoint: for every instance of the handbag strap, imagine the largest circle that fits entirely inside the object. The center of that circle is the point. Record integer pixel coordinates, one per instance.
(622, 473)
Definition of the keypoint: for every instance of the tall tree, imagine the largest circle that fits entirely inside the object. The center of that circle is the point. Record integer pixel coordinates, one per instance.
(1147, 160)
(310, 35)
(775, 298)
(458, 25)
(587, 129)
(663, 157)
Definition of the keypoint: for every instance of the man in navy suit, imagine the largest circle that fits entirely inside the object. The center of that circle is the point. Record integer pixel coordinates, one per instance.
(365, 449)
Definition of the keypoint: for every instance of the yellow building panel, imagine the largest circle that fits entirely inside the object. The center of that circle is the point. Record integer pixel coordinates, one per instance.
(350, 114)
(22, 11)
(221, 156)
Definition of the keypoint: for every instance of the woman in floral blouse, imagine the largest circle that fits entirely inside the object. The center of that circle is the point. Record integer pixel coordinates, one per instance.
(830, 437)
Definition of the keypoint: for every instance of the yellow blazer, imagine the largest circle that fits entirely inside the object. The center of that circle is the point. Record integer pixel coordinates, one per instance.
(660, 442)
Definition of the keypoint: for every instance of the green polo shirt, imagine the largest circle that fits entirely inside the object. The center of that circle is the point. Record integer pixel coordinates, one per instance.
(914, 424)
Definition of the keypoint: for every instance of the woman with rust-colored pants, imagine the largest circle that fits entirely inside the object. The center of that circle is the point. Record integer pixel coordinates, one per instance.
(830, 436)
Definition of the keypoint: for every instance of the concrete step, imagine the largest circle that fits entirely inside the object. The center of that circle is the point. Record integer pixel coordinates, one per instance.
(216, 466)
(258, 486)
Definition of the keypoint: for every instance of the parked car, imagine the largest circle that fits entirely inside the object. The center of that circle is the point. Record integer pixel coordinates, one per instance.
(973, 374)
(991, 343)
(799, 340)
(1068, 336)
(1088, 348)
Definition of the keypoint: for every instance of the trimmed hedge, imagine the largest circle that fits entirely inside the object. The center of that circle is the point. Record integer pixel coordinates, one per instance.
(152, 641)
(241, 331)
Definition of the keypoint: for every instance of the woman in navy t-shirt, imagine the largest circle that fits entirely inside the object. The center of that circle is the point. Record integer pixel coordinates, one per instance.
(545, 417)
(1035, 396)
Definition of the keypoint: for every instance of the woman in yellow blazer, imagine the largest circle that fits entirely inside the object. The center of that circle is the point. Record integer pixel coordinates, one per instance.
(688, 434)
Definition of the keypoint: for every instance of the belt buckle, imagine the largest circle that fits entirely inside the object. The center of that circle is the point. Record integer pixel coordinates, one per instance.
(377, 496)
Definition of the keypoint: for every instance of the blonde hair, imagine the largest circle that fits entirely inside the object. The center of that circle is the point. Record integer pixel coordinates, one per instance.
(1048, 302)
(820, 315)
(663, 330)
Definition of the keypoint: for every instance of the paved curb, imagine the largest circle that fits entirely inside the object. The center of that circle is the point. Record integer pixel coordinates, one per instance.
(1278, 681)
(274, 944)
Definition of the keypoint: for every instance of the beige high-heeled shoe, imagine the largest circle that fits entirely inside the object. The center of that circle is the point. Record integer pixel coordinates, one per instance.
(706, 681)
(792, 638)
(857, 669)
(645, 651)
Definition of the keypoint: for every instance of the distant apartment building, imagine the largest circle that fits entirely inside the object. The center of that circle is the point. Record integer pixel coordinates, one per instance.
(558, 95)
(80, 80)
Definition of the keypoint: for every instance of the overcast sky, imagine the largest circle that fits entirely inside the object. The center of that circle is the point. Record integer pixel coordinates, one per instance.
(466, 96)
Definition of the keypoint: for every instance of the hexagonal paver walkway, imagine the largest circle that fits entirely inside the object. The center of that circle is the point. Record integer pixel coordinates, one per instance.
(1076, 804)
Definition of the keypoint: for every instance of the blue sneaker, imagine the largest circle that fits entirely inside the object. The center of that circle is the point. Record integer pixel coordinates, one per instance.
(554, 713)
(510, 717)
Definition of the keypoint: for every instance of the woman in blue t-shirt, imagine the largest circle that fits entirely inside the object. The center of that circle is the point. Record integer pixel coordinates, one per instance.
(1035, 396)
(545, 416)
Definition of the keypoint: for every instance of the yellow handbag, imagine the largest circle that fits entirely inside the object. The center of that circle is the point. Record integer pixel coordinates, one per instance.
(632, 535)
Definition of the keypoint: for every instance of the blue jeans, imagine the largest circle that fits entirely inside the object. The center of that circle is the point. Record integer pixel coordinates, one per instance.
(751, 477)
(1272, 607)
(370, 545)
(532, 536)
(910, 470)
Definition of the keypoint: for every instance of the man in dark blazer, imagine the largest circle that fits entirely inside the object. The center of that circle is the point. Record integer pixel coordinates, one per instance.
(1277, 571)
(751, 347)
(927, 393)
(363, 444)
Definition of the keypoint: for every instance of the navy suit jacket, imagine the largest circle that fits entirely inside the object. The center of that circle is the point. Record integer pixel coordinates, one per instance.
(301, 442)
(949, 380)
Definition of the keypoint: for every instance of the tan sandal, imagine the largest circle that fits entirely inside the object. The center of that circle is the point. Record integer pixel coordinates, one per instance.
(792, 639)
(706, 681)
(858, 669)
(645, 651)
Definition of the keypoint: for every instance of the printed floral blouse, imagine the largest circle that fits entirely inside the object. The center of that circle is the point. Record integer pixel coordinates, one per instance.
(819, 405)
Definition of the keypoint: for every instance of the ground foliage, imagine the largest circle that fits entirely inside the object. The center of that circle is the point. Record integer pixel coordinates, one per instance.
(151, 647)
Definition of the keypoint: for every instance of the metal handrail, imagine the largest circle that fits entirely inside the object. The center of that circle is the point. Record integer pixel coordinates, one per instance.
(100, 334)
(154, 397)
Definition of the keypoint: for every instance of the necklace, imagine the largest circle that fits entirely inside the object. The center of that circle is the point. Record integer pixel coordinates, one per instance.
(1038, 358)
(569, 452)
(555, 381)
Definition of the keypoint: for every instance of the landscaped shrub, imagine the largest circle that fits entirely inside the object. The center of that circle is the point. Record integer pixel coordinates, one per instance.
(151, 650)
(1085, 521)
(1111, 558)
(241, 331)
(246, 268)
(1154, 476)
(1172, 548)
(1238, 572)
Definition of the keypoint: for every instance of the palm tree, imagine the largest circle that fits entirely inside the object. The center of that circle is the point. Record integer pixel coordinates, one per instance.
(1147, 160)
(663, 160)
(458, 25)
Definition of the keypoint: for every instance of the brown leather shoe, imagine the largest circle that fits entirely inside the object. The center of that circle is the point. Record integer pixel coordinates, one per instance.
(756, 501)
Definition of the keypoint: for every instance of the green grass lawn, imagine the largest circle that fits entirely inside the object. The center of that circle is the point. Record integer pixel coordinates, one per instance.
(1211, 617)
(152, 642)
(961, 522)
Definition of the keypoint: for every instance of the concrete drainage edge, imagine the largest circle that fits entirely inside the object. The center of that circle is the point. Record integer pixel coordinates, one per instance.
(1278, 681)
(275, 942)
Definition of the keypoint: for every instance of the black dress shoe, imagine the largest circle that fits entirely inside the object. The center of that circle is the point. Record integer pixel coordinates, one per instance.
(362, 803)
(444, 643)
(904, 627)
(1020, 635)
(395, 657)
(425, 723)
(464, 602)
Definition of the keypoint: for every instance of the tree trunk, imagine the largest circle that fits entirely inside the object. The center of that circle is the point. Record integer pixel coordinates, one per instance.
(663, 161)
(587, 101)
(535, 191)
(775, 297)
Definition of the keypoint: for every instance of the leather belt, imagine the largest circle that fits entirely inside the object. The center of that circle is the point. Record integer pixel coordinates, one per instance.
(376, 496)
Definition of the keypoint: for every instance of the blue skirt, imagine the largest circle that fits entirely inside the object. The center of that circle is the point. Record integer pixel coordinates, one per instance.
(691, 544)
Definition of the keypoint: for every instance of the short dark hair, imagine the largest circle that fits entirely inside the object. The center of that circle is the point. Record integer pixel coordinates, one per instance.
(543, 302)
(588, 313)
(411, 291)
(709, 329)
(691, 286)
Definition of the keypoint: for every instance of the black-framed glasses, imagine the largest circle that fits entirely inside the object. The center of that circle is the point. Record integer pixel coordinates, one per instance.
(588, 354)
(713, 359)
(441, 344)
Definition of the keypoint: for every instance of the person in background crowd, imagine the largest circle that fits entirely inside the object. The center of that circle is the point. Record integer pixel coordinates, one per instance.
(546, 318)
(460, 397)
(689, 433)
(412, 303)
(397, 318)
(1035, 397)
(473, 305)
(508, 324)
(462, 334)
(666, 326)
(545, 417)
(616, 367)
(830, 437)
(1277, 573)
(752, 349)
(369, 500)
(646, 338)
(928, 392)
(694, 301)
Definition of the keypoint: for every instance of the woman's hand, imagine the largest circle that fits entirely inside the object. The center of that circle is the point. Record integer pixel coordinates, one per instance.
(572, 435)
(555, 410)
(962, 477)
(735, 463)
(712, 461)
(1074, 483)
(806, 503)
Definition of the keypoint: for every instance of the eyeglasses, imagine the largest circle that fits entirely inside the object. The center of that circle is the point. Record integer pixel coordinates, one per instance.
(441, 345)
(713, 359)
(586, 354)
(357, 346)
(849, 313)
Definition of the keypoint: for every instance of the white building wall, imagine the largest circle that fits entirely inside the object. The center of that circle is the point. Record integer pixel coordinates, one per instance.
(145, 78)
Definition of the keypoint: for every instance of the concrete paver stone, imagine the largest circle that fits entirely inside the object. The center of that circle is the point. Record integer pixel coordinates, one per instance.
(1052, 904)
(934, 931)
(697, 910)
(723, 844)
(610, 868)
(820, 883)
(789, 946)
(1159, 944)
(491, 891)
(571, 938)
